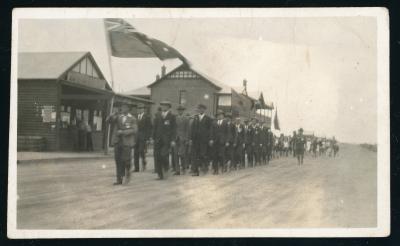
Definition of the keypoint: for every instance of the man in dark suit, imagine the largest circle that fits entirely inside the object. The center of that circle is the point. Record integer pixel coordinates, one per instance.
(200, 139)
(264, 140)
(220, 142)
(257, 141)
(180, 152)
(164, 138)
(238, 145)
(270, 144)
(157, 116)
(230, 137)
(300, 146)
(248, 130)
(143, 135)
(123, 139)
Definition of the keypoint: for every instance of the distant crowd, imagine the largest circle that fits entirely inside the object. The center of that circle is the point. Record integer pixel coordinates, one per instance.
(199, 143)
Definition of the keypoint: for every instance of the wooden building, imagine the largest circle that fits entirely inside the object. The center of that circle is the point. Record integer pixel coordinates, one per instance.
(59, 94)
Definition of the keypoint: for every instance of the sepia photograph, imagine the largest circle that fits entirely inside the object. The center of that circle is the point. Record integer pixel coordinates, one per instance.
(171, 122)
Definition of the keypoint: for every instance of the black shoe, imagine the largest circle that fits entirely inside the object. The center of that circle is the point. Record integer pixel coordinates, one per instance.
(195, 174)
(135, 171)
(118, 183)
(177, 173)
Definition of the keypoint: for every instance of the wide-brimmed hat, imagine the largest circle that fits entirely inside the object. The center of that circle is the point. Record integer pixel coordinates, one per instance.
(301, 130)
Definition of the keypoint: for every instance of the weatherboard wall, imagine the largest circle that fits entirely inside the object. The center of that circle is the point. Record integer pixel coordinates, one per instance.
(32, 96)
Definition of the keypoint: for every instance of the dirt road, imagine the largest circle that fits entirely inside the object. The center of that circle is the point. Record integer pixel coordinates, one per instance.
(324, 192)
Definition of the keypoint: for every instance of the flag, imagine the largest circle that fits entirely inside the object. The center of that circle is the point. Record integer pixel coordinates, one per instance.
(261, 100)
(276, 121)
(126, 42)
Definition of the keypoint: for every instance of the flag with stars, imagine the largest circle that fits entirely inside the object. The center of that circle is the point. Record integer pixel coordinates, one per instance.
(126, 42)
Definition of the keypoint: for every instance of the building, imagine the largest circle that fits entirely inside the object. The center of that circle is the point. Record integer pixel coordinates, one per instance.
(188, 86)
(60, 93)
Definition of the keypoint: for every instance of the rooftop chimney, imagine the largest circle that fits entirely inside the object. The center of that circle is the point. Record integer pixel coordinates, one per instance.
(157, 77)
(163, 70)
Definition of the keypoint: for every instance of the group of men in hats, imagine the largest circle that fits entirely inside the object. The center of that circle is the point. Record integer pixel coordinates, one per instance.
(200, 141)
(191, 142)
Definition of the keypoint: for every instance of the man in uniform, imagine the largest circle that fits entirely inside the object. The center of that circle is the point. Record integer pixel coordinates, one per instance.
(164, 138)
(238, 145)
(123, 139)
(200, 139)
(182, 135)
(143, 135)
(300, 146)
(219, 142)
(157, 117)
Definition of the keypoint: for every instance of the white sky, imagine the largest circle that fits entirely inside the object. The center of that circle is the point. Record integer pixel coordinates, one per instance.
(319, 72)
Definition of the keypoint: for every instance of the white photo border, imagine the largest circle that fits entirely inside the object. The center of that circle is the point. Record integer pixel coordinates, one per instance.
(383, 115)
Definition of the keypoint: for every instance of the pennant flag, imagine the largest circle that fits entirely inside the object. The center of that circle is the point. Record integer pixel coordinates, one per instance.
(127, 42)
(276, 121)
(261, 100)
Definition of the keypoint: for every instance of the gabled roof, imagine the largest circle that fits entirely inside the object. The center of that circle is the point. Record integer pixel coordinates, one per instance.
(46, 65)
(141, 91)
(140, 99)
(49, 65)
(219, 85)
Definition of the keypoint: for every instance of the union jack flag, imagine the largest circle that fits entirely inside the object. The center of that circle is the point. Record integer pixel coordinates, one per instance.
(127, 42)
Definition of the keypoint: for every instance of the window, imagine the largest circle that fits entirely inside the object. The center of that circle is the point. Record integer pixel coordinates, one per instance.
(65, 116)
(224, 100)
(183, 75)
(182, 97)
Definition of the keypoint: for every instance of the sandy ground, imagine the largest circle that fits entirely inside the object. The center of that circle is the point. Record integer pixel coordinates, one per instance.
(323, 193)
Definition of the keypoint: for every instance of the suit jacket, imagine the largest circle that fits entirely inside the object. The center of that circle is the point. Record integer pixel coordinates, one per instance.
(182, 127)
(239, 134)
(165, 128)
(257, 136)
(144, 127)
(248, 135)
(220, 133)
(231, 134)
(264, 136)
(201, 129)
(127, 124)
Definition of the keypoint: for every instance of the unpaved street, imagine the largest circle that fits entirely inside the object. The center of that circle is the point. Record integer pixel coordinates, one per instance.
(324, 192)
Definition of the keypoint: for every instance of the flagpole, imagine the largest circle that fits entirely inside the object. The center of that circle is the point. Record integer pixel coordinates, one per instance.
(108, 128)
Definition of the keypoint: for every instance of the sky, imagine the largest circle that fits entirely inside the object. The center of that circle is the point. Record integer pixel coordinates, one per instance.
(320, 73)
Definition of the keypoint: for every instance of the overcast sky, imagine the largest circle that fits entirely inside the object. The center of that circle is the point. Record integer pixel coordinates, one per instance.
(319, 72)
